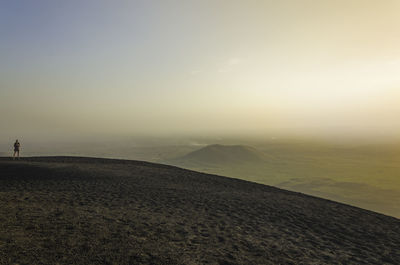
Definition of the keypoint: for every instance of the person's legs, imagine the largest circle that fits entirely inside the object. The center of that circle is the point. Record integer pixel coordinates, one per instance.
(18, 154)
(15, 152)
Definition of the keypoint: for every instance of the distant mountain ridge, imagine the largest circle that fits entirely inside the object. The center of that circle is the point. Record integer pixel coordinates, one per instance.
(217, 154)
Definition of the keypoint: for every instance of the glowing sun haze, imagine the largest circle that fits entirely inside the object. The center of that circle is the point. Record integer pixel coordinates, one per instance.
(73, 68)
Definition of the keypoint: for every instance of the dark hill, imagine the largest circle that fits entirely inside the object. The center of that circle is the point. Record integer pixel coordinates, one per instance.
(221, 155)
(65, 210)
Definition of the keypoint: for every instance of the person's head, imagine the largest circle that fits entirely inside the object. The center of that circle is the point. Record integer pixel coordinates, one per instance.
(16, 141)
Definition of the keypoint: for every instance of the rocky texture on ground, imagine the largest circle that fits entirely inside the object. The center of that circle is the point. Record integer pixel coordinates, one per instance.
(70, 210)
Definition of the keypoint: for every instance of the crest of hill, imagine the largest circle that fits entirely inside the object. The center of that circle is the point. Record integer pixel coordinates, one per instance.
(223, 154)
(108, 211)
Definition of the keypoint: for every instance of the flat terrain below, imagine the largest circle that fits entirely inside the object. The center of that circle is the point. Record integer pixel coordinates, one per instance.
(70, 210)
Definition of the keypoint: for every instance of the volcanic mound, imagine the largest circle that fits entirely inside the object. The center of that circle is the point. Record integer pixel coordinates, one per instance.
(71, 210)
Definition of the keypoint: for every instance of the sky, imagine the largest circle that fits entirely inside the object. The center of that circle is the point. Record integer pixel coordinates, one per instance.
(93, 68)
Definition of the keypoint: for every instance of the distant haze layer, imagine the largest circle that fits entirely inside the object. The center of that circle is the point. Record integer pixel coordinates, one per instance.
(76, 69)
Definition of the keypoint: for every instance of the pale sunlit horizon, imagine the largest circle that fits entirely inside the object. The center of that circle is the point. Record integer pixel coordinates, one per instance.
(76, 69)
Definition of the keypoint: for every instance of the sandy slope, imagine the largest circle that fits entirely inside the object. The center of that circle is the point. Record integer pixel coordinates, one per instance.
(97, 211)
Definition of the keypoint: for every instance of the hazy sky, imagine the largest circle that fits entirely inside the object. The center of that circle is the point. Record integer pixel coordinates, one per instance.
(80, 67)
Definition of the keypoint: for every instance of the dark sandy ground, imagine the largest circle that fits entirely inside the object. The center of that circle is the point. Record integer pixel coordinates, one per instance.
(62, 210)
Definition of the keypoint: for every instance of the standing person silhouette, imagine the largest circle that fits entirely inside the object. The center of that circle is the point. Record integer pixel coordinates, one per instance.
(17, 146)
